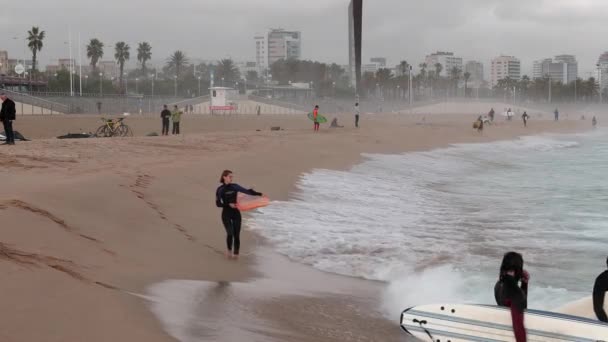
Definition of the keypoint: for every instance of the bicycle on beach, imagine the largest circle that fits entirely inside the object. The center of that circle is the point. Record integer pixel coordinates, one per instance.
(113, 128)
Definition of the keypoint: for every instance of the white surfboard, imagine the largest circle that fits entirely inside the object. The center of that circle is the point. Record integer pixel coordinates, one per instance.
(582, 308)
(485, 323)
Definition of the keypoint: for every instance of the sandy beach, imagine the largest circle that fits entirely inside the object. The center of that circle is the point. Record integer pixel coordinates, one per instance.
(89, 223)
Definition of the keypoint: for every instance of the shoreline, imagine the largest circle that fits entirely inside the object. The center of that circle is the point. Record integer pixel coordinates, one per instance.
(151, 241)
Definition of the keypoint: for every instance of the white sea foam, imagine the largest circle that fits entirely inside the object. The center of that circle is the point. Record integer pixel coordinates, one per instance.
(436, 224)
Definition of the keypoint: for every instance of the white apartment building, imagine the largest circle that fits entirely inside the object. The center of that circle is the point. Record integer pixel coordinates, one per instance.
(503, 67)
(447, 60)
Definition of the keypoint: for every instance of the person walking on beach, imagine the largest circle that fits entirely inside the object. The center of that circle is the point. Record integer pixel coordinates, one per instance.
(556, 114)
(315, 117)
(176, 117)
(599, 294)
(491, 114)
(509, 293)
(594, 122)
(7, 116)
(226, 198)
(165, 115)
(357, 113)
(525, 117)
(480, 124)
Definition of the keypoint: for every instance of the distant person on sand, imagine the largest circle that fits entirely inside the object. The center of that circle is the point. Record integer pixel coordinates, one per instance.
(334, 124)
(556, 114)
(491, 114)
(357, 113)
(165, 116)
(176, 117)
(315, 116)
(594, 122)
(7, 116)
(226, 198)
(599, 294)
(509, 293)
(525, 117)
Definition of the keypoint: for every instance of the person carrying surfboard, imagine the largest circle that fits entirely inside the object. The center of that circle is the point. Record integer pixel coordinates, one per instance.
(509, 293)
(599, 294)
(226, 198)
(315, 118)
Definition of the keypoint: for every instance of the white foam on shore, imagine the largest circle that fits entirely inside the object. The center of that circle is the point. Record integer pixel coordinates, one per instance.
(434, 225)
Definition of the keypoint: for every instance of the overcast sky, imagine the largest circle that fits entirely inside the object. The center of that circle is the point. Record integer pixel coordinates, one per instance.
(396, 29)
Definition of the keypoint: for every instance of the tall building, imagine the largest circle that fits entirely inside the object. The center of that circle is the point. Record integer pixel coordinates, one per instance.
(447, 60)
(381, 61)
(503, 67)
(275, 45)
(475, 68)
(602, 65)
(564, 68)
(3, 62)
(109, 69)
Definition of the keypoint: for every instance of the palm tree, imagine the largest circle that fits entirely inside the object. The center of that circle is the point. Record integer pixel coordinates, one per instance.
(35, 38)
(405, 67)
(228, 71)
(95, 52)
(121, 54)
(144, 54)
(455, 75)
(438, 69)
(177, 62)
(466, 76)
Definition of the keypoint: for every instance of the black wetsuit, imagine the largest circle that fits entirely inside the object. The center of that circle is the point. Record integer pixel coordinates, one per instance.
(599, 292)
(508, 293)
(231, 217)
(165, 115)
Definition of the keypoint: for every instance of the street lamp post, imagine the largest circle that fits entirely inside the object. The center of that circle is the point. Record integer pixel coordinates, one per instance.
(199, 86)
(153, 78)
(410, 87)
(175, 81)
(100, 84)
(222, 82)
(86, 81)
(599, 78)
(136, 85)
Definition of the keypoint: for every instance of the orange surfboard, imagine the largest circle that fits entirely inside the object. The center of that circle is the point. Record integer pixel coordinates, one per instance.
(247, 202)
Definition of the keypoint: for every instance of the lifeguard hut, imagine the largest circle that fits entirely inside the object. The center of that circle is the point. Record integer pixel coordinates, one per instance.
(223, 100)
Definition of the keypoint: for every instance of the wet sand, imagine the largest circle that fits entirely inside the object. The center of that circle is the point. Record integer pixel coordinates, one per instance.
(86, 223)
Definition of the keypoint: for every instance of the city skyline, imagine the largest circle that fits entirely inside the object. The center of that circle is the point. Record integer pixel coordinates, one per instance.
(473, 30)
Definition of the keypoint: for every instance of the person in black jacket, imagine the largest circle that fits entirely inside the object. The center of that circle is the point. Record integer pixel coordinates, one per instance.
(509, 293)
(599, 294)
(7, 116)
(166, 116)
(226, 198)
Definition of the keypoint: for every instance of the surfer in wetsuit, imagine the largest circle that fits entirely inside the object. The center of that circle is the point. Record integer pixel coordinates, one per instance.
(315, 117)
(225, 198)
(599, 293)
(509, 293)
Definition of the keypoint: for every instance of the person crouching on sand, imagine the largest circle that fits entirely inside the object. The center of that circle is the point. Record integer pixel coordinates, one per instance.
(226, 198)
(509, 293)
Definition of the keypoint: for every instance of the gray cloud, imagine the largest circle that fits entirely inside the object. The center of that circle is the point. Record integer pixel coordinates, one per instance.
(397, 29)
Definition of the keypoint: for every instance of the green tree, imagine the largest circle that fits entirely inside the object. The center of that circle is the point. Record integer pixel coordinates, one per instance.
(121, 54)
(35, 39)
(455, 74)
(466, 76)
(177, 62)
(252, 76)
(95, 52)
(144, 54)
(227, 70)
